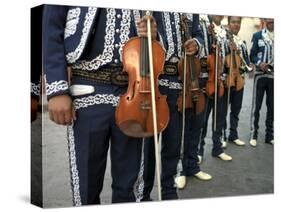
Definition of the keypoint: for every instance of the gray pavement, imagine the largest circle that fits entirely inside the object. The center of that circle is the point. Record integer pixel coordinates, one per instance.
(250, 172)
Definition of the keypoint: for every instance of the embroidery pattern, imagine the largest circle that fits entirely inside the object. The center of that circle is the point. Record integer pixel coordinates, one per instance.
(73, 56)
(73, 167)
(177, 24)
(56, 86)
(171, 45)
(170, 85)
(125, 30)
(72, 20)
(35, 89)
(96, 100)
(107, 53)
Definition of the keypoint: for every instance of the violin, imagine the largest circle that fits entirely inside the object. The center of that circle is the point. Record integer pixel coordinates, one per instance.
(233, 62)
(214, 83)
(189, 68)
(135, 112)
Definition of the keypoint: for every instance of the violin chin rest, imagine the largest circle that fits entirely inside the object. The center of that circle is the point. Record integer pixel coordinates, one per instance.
(134, 129)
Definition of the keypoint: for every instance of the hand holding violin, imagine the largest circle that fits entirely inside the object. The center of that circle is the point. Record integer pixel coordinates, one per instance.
(264, 67)
(142, 27)
(233, 46)
(191, 47)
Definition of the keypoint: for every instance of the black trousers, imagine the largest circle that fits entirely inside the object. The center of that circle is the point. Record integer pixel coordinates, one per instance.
(235, 105)
(216, 134)
(193, 126)
(90, 137)
(263, 84)
(170, 152)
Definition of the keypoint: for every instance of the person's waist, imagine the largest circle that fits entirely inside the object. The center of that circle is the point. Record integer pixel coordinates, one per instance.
(109, 74)
(113, 74)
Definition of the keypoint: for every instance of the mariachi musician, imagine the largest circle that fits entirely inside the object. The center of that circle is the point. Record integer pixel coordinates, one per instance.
(171, 86)
(90, 40)
(216, 40)
(262, 55)
(239, 53)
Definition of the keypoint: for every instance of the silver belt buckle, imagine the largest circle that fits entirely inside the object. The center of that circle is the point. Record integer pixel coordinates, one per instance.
(78, 90)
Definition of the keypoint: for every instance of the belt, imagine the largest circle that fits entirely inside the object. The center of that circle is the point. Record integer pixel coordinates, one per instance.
(171, 69)
(109, 75)
(114, 75)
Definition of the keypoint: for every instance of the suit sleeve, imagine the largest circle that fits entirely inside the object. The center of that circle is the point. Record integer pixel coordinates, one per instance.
(54, 61)
(197, 33)
(245, 54)
(36, 50)
(254, 50)
(160, 29)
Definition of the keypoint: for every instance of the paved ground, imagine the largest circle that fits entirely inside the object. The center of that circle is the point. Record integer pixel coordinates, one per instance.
(250, 172)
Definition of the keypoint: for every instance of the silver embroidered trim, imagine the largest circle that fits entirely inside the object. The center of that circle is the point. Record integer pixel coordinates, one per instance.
(266, 53)
(56, 86)
(107, 53)
(73, 167)
(35, 89)
(96, 100)
(169, 84)
(171, 45)
(124, 30)
(72, 20)
(179, 168)
(179, 41)
(204, 21)
(136, 16)
(139, 184)
(71, 57)
(252, 120)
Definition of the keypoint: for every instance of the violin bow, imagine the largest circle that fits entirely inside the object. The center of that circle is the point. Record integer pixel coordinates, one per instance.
(179, 165)
(154, 115)
(230, 70)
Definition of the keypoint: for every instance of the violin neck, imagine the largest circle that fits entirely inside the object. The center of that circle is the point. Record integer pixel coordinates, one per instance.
(144, 63)
(234, 62)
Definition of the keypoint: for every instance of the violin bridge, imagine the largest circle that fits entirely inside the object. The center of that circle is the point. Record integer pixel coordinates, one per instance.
(145, 92)
(145, 105)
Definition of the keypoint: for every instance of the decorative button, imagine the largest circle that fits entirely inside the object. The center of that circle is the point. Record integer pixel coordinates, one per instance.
(118, 16)
(115, 61)
(116, 45)
(117, 30)
(173, 22)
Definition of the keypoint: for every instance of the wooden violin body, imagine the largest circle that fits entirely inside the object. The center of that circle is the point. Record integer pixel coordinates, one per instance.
(194, 96)
(189, 68)
(211, 66)
(234, 79)
(134, 111)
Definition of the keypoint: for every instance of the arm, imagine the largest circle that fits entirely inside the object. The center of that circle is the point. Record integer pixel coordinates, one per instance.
(194, 45)
(54, 61)
(254, 50)
(60, 105)
(36, 58)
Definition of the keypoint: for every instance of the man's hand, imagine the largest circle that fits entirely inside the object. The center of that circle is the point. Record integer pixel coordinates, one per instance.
(263, 67)
(211, 29)
(142, 27)
(233, 46)
(191, 47)
(61, 110)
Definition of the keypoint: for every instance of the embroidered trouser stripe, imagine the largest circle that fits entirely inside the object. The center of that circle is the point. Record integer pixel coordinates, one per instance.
(255, 100)
(139, 184)
(73, 167)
